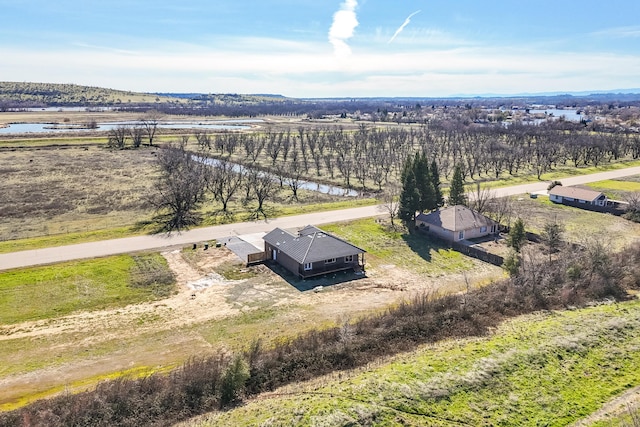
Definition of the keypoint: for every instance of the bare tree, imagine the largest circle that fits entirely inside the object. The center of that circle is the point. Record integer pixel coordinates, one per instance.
(500, 209)
(136, 133)
(224, 181)
(204, 139)
(480, 199)
(118, 137)
(633, 206)
(294, 177)
(391, 202)
(262, 186)
(150, 123)
(180, 190)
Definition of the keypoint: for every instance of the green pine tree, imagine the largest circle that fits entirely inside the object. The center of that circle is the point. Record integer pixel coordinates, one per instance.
(457, 195)
(517, 236)
(409, 199)
(423, 183)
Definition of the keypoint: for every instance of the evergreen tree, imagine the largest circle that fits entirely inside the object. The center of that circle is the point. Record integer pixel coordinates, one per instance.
(409, 198)
(435, 182)
(517, 235)
(456, 189)
(423, 183)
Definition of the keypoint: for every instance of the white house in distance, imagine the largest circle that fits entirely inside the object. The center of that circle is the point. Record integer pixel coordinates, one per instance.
(575, 195)
(456, 223)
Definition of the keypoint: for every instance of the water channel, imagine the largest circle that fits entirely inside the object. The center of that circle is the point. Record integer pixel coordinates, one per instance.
(305, 185)
(17, 128)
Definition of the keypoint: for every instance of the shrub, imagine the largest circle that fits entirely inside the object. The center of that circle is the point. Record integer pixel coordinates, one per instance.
(553, 184)
(234, 381)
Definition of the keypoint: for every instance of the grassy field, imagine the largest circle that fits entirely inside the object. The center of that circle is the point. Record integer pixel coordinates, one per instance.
(61, 191)
(580, 226)
(261, 303)
(617, 188)
(385, 245)
(54, 291)
(544, 369)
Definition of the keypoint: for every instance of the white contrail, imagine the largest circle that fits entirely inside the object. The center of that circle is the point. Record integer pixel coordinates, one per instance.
(343, 26)
(404, 24)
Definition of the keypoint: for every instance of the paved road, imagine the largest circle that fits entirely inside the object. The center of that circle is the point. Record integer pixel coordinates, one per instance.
(141, 243)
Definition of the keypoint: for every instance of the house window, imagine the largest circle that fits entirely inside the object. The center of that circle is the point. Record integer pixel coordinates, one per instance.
(483, 229)
(308, 266)
(461, 235)
(330, 261)
(348, 258)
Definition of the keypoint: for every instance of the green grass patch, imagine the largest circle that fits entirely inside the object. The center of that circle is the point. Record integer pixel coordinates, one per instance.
(612, 187)
(67, 239)
(387, 245)
(235, 271)
(543, 369)
(563, 171)
(53, 291)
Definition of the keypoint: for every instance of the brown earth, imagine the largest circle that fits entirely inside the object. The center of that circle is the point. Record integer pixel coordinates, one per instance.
(94, 345)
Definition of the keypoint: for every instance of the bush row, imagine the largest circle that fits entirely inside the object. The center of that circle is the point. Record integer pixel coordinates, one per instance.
(222, 380)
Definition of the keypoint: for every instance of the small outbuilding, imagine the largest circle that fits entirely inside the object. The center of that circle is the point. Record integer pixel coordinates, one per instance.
(456, 223)
(312, 252)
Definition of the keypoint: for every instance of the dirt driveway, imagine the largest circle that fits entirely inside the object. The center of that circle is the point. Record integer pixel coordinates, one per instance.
(76, 351)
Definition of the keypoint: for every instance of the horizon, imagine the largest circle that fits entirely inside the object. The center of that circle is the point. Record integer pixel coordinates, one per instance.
(338, 49)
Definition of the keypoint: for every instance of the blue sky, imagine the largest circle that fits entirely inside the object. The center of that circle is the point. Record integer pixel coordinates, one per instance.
(324, 48)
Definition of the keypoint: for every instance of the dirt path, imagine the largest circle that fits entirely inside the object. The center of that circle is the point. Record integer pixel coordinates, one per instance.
(140, 243)
(630, 399)
(191, 304)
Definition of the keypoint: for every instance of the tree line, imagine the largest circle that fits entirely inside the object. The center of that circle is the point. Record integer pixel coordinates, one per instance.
(373, 157)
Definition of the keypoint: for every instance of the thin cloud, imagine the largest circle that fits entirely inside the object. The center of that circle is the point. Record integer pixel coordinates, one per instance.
(619, 32)
(344, 24)
(404, 24)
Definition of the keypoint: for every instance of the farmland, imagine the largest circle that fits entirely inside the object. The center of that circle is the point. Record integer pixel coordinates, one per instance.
(74, 325)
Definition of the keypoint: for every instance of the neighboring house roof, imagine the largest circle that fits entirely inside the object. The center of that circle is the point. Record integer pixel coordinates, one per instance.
(575, 193)
(310, 245)
(456, 218)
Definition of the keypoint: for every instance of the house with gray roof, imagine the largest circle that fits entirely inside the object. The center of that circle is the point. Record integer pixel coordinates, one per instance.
(312, 252)
(456, 223)
(576, 196)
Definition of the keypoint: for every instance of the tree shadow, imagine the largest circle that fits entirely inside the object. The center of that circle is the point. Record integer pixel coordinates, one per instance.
(421, 244)
(265, 213)
(150, 226)
(325, 280)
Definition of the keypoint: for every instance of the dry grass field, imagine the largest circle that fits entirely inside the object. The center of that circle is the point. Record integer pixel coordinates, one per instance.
(53, 191)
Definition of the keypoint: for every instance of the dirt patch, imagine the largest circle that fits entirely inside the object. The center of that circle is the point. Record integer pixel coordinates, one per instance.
(627, 401)
(169, 331)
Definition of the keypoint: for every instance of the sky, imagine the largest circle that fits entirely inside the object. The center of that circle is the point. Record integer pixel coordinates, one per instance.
(325, 48)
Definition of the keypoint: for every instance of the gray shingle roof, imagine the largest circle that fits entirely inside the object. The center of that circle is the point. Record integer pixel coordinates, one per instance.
(456, 218)
(310, 245)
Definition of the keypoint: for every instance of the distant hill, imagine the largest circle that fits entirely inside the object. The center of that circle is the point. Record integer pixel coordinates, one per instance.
(27, 94)
(54, 94)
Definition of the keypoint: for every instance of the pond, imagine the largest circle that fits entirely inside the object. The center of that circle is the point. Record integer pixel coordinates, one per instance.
(235, 124)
